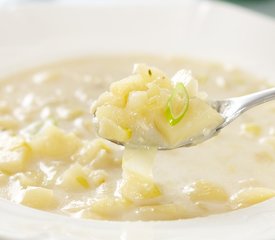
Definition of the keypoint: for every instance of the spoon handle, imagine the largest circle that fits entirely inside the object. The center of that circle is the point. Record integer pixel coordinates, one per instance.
(231, 108)
(248, 101)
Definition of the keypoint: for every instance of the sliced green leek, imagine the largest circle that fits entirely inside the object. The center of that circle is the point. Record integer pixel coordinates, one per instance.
(177, 104)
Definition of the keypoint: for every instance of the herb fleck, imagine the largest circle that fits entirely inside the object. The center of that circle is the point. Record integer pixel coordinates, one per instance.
(150, 72)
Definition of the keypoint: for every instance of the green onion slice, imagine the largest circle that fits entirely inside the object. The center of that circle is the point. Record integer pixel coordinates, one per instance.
(177, 104)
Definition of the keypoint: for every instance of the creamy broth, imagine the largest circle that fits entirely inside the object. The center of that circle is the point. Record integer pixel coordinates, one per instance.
(51, 158)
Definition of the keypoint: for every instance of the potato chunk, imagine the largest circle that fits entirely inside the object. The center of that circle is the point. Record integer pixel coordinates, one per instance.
(75, 178)
(110, 130)
(199, 117)
(161, 212)
(14, 153)
(109, 207)
(136, 188)
(108, 98)
(39, 197)
(30, 178)
(118, 115)
(52, 142)
(149, 73)
(90, 150)
(127, 85)
(137, 100)
(203, 190)
(249, 196)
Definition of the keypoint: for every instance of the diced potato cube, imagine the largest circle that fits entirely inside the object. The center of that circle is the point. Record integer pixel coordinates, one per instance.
(75, 178)
(162, 82)
(202, 190)
(108, 98)
(29, 178)
(161, 212)
(136, 187)
(39, 197)
(52, 142)
(110, 207)
(148, 73)
(249, 196)
(14, 153)
(118, 115)
(158, 102)
(137, 100)
(110, 130)
(153, 90)
(199, 116)
(127, 85)
(26, 180)
(90, 150)
(103, 160)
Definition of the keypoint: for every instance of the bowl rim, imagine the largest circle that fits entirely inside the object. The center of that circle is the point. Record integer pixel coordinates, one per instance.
(58, 225)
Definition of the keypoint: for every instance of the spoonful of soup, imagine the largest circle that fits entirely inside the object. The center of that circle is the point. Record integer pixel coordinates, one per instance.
(150, 109)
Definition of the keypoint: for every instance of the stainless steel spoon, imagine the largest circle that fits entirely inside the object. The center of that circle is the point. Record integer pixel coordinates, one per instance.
(229, 109)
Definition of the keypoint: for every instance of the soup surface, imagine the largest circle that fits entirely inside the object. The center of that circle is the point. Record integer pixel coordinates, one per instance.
(51, 158)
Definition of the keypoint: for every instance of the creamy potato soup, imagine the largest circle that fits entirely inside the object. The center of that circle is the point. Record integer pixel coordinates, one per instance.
(51, 158)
